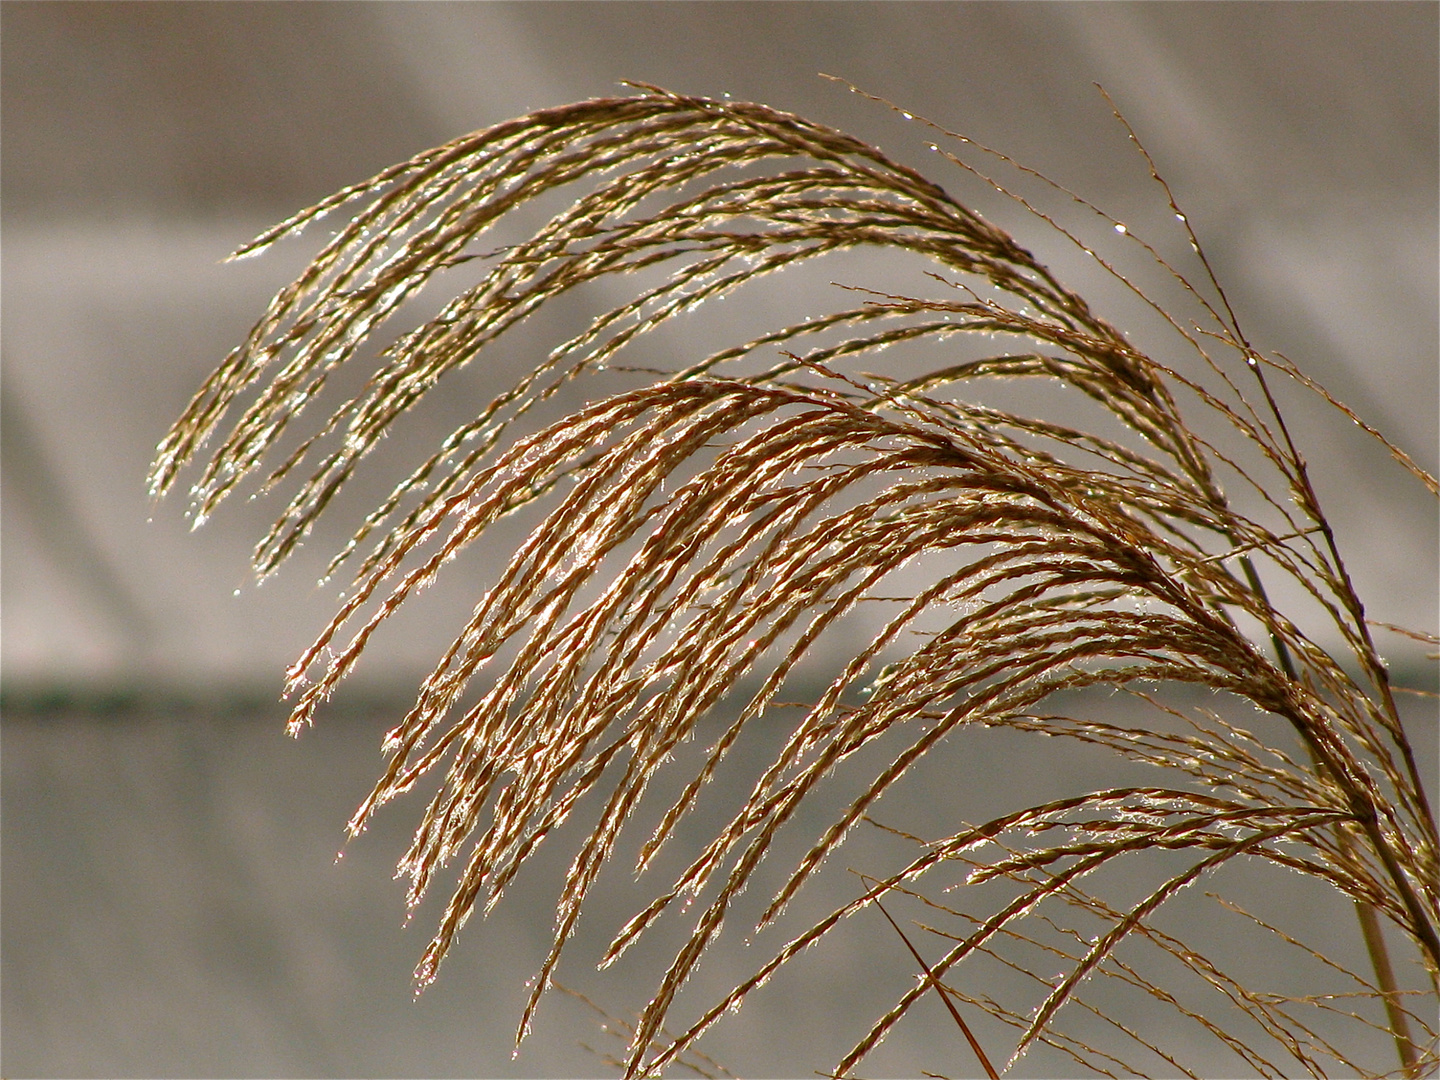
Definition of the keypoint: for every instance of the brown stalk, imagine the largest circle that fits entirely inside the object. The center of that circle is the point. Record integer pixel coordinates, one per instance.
(941, 990)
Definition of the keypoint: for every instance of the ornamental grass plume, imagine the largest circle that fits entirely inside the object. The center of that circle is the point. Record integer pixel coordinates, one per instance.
(697, 541)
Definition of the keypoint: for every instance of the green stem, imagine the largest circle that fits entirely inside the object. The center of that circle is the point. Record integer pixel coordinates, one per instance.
(1385, 976)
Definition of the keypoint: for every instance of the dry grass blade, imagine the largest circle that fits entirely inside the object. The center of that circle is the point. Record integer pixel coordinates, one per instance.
(944, 996)
(693, 1061)
(702, 543)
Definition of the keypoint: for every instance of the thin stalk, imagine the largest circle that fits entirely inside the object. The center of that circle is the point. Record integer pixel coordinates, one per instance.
(1385, 976)
(1375, 945)
(940, 989)
(1365, 912)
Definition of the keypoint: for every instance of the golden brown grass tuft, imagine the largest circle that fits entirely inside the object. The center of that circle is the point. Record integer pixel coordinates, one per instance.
(695, 538)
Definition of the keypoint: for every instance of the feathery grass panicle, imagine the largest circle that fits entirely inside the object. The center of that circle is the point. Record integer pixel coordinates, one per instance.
(695, 538)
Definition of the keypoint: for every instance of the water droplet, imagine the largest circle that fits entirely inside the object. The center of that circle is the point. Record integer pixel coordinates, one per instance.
(907, 116)
(1120, 228)
(1179, 217)
(235, 593)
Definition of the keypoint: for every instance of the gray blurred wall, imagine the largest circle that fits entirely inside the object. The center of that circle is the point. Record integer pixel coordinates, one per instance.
(143, 142)
(169, 901)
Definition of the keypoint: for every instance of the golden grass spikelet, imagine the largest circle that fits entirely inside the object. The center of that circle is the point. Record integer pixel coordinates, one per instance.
(697, 540)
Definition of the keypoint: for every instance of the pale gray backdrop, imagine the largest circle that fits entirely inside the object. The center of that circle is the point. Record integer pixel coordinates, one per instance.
(171, 904)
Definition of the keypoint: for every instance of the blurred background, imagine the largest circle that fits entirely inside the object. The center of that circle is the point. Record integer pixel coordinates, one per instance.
(171, 900)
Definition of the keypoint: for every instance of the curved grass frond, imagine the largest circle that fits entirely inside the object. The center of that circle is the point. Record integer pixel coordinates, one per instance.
(702, 543)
